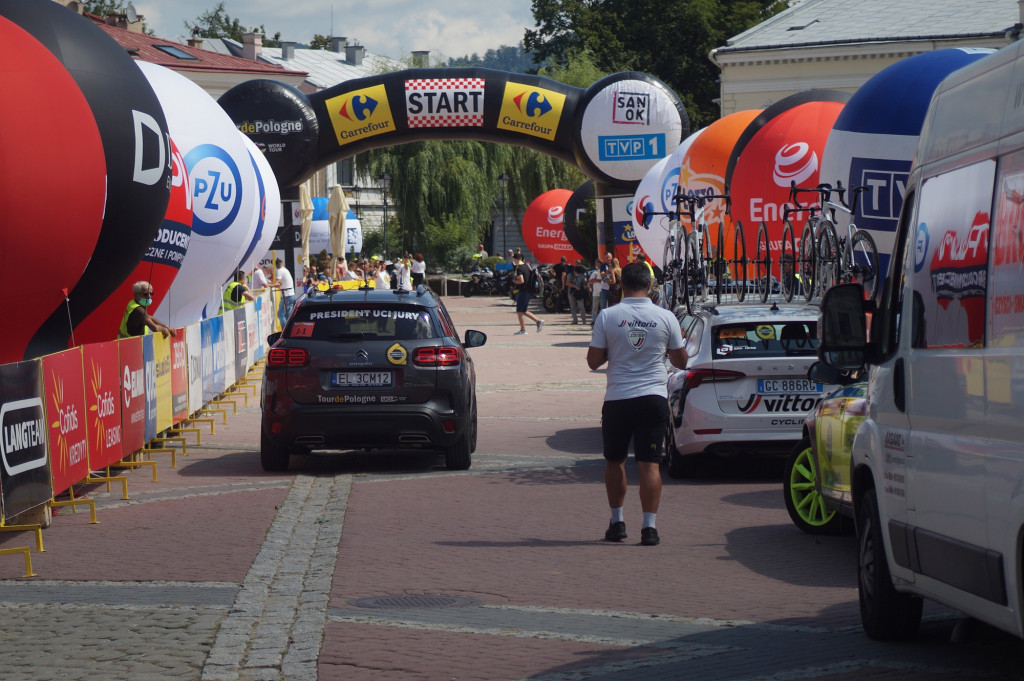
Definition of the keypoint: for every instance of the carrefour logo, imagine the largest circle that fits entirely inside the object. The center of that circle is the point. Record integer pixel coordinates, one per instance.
(531, 110)
(216, 189)
(361, 113)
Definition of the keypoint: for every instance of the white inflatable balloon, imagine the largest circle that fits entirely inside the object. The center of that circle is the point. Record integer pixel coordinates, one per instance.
(224, 193)
(656, 191)
(268, 214)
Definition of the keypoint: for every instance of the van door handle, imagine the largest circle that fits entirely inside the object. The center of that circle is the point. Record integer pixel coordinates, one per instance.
(899, 389)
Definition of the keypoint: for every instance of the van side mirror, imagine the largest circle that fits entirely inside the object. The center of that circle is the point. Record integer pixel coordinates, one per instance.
(819, 372)
(843, 327)
(475, 339)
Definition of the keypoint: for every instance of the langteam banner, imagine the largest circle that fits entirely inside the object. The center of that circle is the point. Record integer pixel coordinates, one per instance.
(613, 130)
(66, 418)
(24, 473)
(103, 402)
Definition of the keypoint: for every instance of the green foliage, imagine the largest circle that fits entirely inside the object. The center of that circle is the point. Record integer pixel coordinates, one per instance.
(579, 70)
(511, 58)
(217, 23)
(451, 243)
(491, 260)
(669, 39)
(320, 42)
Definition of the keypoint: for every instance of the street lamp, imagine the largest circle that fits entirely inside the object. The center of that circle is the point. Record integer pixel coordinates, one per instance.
(385, 186)
(503, 183)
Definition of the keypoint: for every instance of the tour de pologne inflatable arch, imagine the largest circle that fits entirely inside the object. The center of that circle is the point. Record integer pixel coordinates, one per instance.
(613, 131)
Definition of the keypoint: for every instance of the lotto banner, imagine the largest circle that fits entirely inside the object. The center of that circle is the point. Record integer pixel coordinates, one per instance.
(25, 475)
(66, 416)
(179, 377)
(194, 350)
(133, 394)
(162, 383)
(103, 401)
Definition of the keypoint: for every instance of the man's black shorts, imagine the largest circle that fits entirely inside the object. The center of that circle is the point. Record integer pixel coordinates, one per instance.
(640, 419)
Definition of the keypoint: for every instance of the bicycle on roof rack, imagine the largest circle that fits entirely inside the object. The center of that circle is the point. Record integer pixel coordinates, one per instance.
(689, 269)
(833, 258)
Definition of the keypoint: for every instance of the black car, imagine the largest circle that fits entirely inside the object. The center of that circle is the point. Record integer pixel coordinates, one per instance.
(367, 369)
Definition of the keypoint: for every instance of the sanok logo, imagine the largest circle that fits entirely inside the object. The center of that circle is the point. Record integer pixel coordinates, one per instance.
(536, 104)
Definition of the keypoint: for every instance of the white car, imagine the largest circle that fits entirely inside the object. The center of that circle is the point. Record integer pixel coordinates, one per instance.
(745, 387)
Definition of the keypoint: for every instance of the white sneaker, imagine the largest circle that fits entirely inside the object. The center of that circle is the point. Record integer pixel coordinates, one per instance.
(521, 332)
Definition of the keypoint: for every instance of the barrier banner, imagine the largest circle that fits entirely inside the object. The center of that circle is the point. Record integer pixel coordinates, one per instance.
(103, 400)
(251, 329)
(213, 366)
(227, 348)
(66, 413)
(179, 377)
(25, 475)
(162, 367)
(133, 394)
(194, 351)
(241, 358)
(150, 391)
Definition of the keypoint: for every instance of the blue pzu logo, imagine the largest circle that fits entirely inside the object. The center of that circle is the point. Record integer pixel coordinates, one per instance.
(668, 189)
(920, 246)
(216, 189)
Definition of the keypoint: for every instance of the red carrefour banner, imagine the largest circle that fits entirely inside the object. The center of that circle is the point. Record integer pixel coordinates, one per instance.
(103, 402)
(543, 230)
(64, 392)
(133, 394)
(179, 377)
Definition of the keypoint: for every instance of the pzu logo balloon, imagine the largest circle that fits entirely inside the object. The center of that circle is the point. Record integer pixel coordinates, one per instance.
(216, 189)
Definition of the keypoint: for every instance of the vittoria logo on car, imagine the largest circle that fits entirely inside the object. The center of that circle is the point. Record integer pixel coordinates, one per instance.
(778, 404)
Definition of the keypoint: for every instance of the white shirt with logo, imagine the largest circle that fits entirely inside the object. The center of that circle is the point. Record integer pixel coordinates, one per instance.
(287, 283)
(636, 334)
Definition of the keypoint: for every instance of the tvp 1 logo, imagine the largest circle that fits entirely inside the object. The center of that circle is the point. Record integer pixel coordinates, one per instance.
(216, 189)
(880, 204)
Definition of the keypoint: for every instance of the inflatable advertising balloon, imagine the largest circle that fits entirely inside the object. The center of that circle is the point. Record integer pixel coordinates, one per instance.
(224, 195)
(873, 141)
(268, 213)
(783, 144)
(50, 221)
(542, 227)
(137, 157)
(159, 266)
(575, 208)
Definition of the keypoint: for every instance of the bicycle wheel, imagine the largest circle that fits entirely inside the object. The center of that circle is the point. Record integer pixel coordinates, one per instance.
(762, 264)
(690, 280)
(739, 262)
(668, 269)
(827, 270)
(718, 268)
(787, 262)
(698, 269)
(863, 262)
(806, 262)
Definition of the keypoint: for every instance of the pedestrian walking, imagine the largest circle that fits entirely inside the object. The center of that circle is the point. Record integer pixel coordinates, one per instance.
(633, 337)
(519, 281)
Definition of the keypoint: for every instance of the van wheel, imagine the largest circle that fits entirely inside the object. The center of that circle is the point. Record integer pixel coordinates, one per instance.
(680, 466)
(803, 501)
(885, 613)
(274, 458)
(458, 456)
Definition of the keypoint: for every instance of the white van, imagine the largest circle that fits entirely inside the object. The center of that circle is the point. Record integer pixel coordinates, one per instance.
(938, 464)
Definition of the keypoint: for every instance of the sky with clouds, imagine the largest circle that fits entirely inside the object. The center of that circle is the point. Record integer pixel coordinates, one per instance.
(395, 28)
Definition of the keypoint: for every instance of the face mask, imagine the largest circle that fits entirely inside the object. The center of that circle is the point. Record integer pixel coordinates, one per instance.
(146, 302)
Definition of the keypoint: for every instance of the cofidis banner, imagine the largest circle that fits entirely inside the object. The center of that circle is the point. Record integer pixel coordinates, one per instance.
(103, 400)
(66, 417)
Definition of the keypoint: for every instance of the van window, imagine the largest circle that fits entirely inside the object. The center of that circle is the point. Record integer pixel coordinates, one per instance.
(885, 325)
(1006, 271)
(951, 256)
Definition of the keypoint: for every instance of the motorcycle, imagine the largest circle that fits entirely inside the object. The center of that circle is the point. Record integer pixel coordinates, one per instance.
(481, 282)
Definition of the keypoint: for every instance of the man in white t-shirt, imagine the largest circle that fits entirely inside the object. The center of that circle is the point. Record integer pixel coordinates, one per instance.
(633, 338)
(287, 286)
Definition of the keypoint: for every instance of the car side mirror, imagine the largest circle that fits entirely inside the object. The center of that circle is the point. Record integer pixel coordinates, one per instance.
(273, 338)
(843, 327)
(819, 372)
(475, 339)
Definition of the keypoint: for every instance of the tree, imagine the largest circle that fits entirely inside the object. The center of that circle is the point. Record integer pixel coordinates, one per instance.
(217, 23)
(320, 42)
(511, 58)
(670, 39)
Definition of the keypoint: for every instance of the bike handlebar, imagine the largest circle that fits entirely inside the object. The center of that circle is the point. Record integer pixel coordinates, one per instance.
(693, 201)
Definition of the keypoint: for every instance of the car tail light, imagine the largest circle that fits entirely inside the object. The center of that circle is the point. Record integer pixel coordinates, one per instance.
(287, 357)
(695, 377)
(437, 357)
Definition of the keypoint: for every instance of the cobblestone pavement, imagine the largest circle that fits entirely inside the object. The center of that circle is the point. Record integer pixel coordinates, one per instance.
(385, 566)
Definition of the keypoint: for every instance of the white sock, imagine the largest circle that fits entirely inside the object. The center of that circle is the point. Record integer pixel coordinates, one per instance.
(617, 515)
(649, 519)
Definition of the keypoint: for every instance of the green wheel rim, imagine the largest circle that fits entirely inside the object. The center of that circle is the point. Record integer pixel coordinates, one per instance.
(809, 504)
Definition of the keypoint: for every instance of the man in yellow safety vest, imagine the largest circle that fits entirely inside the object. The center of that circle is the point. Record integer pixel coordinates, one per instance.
(236, 293)
(137, 321)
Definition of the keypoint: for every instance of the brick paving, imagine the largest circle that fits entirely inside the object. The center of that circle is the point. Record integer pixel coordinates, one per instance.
(219, 571)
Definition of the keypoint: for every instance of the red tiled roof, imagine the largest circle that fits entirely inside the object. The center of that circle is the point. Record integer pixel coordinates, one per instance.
(144, 47)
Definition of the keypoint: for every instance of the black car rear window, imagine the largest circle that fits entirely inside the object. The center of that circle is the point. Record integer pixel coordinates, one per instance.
(765, 339)
(363, 322)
